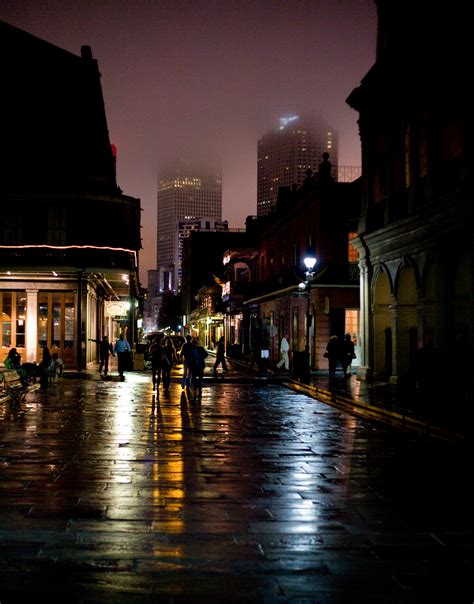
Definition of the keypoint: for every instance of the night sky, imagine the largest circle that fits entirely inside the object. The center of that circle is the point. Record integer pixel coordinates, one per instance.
(205, 79)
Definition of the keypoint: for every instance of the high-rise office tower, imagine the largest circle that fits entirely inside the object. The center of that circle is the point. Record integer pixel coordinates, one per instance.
(183, 194)
(285, 154)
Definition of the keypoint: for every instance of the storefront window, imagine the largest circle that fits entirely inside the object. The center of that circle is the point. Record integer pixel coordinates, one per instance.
(56, 324)
(7, 320)
(20, 320)
(43, 320)
(69, 320)
(56, 318)
(12, 322)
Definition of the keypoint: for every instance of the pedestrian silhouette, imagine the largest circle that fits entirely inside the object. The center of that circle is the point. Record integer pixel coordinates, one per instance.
(220, 356)
(332, 354)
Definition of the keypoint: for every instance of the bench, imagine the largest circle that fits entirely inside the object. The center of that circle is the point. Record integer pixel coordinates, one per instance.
(13, 387)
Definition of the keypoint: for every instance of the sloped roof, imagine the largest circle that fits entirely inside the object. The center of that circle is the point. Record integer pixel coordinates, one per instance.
(52, 118)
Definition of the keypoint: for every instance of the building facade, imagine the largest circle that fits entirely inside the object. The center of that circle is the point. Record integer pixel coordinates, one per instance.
(185, 227)
(285, 154)
(69, 238)
(184, 194)
(415, 234)
(321, 217)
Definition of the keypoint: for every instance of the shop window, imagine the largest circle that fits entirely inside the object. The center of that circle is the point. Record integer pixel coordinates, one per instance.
(7, 320)
(12, 321)
(56, 324)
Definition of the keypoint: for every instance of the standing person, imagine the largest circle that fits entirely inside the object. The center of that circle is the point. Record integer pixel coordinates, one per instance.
(105, 348)
(284, 348)
(200, 355)
(220, 356)
(332, 354)
(168, 360)
(186, 353)
(156, 354)
(347, 353)
(123, 350)
(43, 368)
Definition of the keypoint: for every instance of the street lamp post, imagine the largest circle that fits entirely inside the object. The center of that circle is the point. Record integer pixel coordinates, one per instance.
(305, 289)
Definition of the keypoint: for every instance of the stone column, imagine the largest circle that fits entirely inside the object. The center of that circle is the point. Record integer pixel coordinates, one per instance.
(31, 325)
(394, 321)
(365, 370)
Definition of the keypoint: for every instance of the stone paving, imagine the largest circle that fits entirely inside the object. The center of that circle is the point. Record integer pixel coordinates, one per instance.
(251, 493)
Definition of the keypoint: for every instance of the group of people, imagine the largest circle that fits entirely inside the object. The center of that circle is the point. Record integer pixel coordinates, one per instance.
(122, 350)
(340, 352)
(164, 356)
(50, 367)
(336, 352)
(191, 354)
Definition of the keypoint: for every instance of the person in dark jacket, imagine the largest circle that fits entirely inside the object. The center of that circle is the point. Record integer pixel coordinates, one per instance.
(347, 353)
(199, 365)
(186, 353)
(332, 355)
(156, 354)
(43, 368)
(220, 355)
(167, 361)
(105, 349)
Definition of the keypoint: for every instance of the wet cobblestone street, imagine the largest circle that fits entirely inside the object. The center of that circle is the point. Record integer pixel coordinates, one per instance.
(252, 493)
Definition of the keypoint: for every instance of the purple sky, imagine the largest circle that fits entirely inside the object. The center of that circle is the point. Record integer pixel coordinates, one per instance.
(205, 79)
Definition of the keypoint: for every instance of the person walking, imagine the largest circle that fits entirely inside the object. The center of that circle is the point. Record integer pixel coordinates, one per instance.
(168, 360)
(122, 350)
(156, 354)
(332, 354)
(220, 356)
(347, 354)
(199, 365)
(105, 349)
(186, 353)
(284, 348)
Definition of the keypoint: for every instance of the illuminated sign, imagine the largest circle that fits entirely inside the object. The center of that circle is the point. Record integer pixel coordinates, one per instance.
(226, 289)
(116, 308)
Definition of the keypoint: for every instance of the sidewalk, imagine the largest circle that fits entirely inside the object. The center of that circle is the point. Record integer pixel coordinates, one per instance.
(444, 415)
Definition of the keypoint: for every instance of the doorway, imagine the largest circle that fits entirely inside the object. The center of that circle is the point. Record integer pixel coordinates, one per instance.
(57, 324)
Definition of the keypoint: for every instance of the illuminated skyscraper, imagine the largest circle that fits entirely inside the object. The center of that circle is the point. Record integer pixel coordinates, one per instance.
(184, 194)
(285, 154)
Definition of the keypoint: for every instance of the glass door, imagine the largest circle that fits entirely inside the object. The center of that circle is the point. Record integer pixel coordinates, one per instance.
(56, 325)
(12, 323)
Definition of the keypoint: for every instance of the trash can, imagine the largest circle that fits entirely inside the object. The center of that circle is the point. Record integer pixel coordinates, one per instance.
(138, 361)
(301, 366)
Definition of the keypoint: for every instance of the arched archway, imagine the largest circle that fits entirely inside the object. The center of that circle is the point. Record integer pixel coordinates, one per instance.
(406, 322)
(428, 317)
(382, 300)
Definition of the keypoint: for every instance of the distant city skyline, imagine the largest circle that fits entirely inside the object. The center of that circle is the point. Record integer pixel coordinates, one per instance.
(182, 79)
(286, 152)
(186, 193)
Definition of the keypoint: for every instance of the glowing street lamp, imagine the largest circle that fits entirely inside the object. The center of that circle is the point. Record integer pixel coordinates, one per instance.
(305, 288)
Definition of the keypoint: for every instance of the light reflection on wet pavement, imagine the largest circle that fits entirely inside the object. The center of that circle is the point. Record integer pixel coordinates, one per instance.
(253, 493)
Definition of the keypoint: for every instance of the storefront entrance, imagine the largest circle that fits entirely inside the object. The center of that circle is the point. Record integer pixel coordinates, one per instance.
(56, 325)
